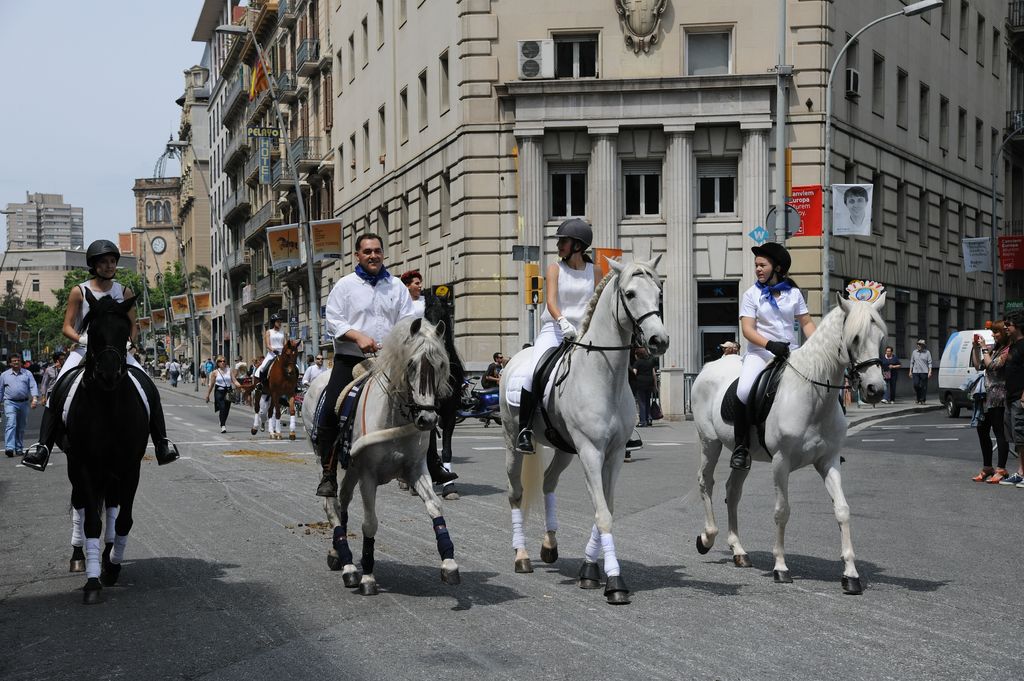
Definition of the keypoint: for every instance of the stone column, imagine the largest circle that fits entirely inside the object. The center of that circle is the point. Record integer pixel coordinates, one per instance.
(531, 212)
(753, 190)
(680, 289)
(602, 187)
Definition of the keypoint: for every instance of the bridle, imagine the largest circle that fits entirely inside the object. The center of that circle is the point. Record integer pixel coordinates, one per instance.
(638, 339)
(409, 408)
(122, 364)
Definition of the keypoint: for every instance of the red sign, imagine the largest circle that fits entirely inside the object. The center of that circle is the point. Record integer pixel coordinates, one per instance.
(807, 201)
(1011, 253)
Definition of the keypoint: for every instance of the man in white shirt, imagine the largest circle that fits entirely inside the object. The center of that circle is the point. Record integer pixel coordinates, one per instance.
(315, 368)
(362, 308)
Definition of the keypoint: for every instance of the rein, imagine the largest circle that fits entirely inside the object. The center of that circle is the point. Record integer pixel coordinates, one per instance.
(637, 340)
(854, 373)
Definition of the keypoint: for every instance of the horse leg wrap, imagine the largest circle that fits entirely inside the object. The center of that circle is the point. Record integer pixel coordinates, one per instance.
(593, 549)
(77, 538)
(108, 526)
(340, 544)
(117, 553)
(367, 560)
(445, 547)
(550, 513)
(611, 563)
(518, 538)
(291, 423)
(92, 558)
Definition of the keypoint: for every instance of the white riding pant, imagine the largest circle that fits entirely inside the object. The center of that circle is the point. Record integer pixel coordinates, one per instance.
(550, 337)
(753, 364)
(76, 356)
(266, 361)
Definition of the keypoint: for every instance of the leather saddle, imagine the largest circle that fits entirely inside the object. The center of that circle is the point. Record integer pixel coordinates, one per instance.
(760, 400)
(541, 375)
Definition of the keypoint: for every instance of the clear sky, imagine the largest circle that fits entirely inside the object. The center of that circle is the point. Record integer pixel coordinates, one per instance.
(88, 100)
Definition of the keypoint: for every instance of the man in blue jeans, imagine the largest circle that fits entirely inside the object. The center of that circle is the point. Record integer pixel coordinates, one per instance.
(18, 393)
(921, 370)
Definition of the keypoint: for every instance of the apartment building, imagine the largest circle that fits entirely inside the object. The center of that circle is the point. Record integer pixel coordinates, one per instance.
(194, 152)
(1011, 178)
(464, 128)
(35, 273)
(44, 221)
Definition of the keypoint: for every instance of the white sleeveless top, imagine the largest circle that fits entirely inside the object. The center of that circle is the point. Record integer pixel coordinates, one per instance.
(116, 292)
(276, 340)
(575, 288)
(223, 379)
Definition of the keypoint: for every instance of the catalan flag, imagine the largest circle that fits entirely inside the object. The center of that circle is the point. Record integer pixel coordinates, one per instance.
(259, 80)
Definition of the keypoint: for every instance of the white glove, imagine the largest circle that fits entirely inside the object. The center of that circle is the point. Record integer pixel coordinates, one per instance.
(568, 330)
(83, 340)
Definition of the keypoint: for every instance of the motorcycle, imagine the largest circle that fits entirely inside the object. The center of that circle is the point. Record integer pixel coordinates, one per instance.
(478, 403)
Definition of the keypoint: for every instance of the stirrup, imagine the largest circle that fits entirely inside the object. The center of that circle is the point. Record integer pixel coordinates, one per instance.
(524, 443)
(36, 457)
(166, 452)
(328, 486)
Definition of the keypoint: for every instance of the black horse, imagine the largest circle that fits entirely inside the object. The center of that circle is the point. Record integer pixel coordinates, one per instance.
(105, 439)
(440, 310)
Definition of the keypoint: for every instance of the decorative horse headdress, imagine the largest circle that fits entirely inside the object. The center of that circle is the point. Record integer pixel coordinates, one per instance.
(865, 291)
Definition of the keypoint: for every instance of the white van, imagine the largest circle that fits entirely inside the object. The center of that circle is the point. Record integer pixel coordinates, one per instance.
(955, 367)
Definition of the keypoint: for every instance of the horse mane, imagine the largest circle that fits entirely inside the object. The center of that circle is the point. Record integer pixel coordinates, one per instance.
(401, 347)
(592, 305)
(101, 306)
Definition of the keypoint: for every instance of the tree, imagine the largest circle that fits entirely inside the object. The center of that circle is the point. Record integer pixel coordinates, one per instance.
(200, 278)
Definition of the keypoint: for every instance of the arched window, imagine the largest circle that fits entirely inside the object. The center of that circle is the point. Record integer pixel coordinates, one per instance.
(167, 211)
(149, 211)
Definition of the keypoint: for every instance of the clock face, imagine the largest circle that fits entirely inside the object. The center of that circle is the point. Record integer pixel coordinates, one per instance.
(159, 245)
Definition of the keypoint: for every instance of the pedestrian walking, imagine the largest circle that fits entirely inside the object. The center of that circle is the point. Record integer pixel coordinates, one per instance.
(315, 368)
(413, 281)
(990, 408)
(1013, 372)
(223, 382)
(921, 370)
(173, 372)
(642, 370)
(890, 362)
(50, 374)
(19, 393)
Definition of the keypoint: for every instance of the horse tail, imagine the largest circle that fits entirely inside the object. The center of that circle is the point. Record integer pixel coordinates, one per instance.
(532, 477)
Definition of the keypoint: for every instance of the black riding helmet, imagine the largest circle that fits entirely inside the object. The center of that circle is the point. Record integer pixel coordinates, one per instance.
(273, 318)
(777, 253)
(577, 229)
(97, 249)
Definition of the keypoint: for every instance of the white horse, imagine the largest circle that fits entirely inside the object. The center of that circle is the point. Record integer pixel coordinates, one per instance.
(392, 425)
(806, 425)
(594, 409)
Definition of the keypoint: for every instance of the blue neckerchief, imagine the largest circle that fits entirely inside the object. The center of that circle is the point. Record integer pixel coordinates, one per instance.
(371, 279)
(768, 291)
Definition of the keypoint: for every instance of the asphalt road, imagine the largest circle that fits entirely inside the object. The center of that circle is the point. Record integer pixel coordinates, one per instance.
(226, 576)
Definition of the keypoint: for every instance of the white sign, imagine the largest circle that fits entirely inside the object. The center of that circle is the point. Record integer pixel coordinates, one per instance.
(977, 254)
(851, 209)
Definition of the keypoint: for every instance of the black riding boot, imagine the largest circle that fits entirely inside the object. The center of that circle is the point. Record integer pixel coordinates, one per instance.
(437, 471)
(741, 433)
(524, 443)
(327, 449)
(38, 455)
(166, 451)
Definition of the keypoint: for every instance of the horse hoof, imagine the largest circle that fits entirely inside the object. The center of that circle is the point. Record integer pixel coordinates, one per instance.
(333, 562)
(742, 560)
(291, 436)
(368, 589)
(91, 592)
(524, 566)
(77, 565)
(590, 576)
(549, 555)
(451, 576)
(109, 575)
(616, 592)
(852, 586)
(350, 579)
(701, 548)
(253, 431)
(782, 577)
(450, 496)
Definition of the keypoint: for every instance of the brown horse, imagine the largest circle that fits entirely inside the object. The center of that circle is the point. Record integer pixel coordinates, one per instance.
(282, 382)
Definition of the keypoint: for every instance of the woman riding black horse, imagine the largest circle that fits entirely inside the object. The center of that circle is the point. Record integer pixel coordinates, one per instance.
(102, 257)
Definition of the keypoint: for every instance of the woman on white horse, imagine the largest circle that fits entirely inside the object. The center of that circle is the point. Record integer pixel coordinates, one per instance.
(273, 343)
(767, 312)
(569, 283)
(102, 257)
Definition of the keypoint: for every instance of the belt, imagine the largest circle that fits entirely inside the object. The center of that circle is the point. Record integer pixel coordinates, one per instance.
(11, 399)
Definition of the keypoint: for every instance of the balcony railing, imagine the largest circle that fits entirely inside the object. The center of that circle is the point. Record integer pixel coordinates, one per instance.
(248, 292)
(235, 99)
(236, 204)
(237, 260)
(1014, 120)
(277, 175)
(267, 214)
(306, 57)
(251, 167)
(1015, 15)
(266, 287)
(287, 86)
(306, 152)
(286, 14)
(237, 148)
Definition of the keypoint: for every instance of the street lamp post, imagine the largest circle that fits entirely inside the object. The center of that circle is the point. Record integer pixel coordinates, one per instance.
(996, 155)
(145, 292)
(314, 305)
(908, 11)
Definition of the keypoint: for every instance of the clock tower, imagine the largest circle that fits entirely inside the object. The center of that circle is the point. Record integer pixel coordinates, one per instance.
(154, 236)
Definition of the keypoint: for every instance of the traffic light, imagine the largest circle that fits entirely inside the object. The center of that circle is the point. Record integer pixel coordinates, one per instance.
(534, 292)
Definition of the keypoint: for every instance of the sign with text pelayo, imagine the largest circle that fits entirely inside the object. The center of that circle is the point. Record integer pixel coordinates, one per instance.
(284, 246)
(179, 307)
(204, 304)
(159, 316)
(326, 239)
(977, 254)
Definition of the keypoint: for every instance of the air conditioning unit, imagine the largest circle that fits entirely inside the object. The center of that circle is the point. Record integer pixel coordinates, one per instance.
(536, 59)
(852, 83)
